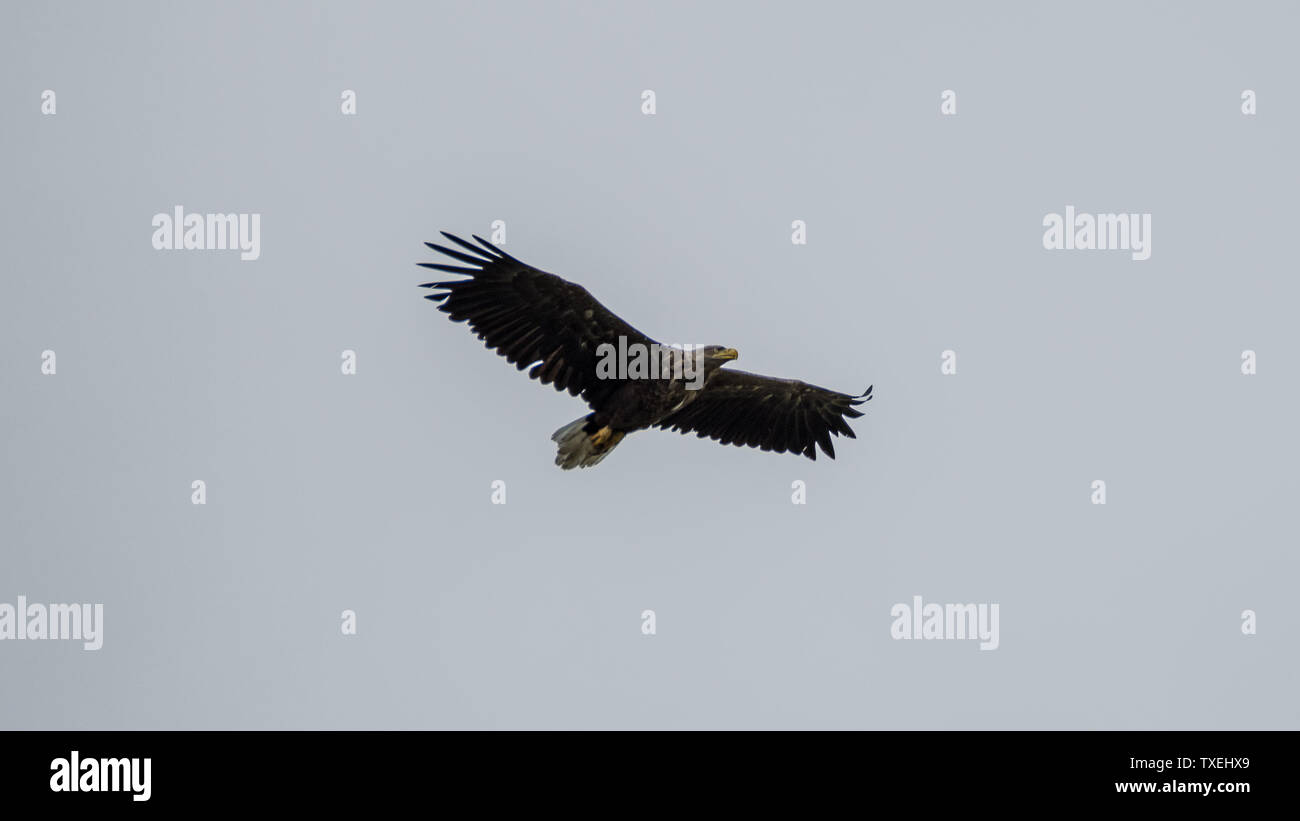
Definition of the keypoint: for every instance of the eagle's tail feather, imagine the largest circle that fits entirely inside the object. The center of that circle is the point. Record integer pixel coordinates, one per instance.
(578, 449)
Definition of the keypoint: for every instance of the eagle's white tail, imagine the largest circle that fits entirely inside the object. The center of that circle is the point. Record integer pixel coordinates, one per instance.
(580, 450)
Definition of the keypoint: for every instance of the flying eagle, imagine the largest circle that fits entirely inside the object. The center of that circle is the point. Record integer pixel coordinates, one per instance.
(534, 318)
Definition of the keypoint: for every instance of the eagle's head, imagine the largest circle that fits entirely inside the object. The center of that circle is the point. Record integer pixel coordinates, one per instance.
(715, 356)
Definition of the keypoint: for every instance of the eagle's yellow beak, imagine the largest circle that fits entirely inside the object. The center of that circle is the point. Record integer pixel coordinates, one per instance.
(727, 353)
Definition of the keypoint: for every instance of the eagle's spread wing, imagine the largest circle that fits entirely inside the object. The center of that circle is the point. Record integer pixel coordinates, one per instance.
(529, 316)
(739, 408)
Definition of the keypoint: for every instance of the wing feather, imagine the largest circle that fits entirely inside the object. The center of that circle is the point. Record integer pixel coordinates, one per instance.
(526, 315)
(785, 415)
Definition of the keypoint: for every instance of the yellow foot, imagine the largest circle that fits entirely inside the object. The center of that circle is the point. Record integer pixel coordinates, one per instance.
(600, 437)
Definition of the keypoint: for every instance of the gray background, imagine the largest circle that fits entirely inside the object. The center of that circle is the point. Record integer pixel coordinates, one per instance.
(372, 492)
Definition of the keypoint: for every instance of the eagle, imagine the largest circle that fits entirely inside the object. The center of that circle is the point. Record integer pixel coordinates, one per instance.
(571, 341)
